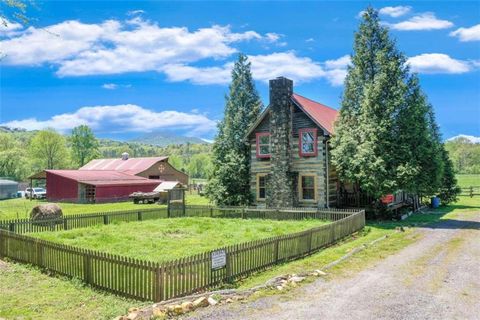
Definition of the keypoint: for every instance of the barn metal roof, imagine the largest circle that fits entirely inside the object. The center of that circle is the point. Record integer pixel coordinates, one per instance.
(168, 185)
(6, 182)
(103, 177)
(131, 165)
(324, 116)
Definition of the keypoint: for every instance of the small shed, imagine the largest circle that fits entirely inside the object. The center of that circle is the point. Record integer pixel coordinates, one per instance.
(8, 189)
(171, 190)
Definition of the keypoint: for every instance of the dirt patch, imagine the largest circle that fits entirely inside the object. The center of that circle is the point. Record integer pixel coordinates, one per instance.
(3, 265)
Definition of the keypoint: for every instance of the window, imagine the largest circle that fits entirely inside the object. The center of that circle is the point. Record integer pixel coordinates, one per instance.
(261, 186)
(307, 140)
(263, 145)
(307, 187)
(154, 177)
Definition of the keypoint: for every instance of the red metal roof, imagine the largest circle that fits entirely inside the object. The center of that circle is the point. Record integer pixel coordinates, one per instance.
(323, 115)
(104, 177)
(131, 166)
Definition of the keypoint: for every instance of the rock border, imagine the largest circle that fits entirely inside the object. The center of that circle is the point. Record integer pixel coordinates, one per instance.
(178, 306)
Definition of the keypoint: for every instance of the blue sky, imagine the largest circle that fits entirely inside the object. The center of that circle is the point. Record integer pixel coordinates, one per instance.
(126, 68)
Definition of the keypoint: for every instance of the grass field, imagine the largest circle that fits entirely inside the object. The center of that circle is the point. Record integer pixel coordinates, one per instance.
(27, 293)
(167, 239)
(468, 180)
(20, 208)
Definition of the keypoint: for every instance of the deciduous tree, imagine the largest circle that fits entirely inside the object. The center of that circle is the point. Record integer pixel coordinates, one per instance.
(48, 149)
(84, 145)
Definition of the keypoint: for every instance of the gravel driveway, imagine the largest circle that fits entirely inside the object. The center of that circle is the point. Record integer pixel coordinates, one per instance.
(437, 277)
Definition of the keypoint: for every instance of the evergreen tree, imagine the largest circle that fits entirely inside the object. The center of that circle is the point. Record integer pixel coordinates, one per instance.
(364, 143)
(419, 161)
(449, 189)
(229, 183)
(84, 145)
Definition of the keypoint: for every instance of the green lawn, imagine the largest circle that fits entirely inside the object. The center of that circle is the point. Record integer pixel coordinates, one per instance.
(20, 208)
(467, 180)
(27, 293)
(167, 239)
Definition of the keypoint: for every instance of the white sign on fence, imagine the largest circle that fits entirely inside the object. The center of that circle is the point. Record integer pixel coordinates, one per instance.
(219, 259)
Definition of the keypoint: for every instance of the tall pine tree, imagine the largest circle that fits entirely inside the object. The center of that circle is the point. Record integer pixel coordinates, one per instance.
(364, 143)
(229, 183)
(418, 141)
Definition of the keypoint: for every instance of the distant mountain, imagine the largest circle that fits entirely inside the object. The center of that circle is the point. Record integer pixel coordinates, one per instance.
(472, 139)
(163, 139)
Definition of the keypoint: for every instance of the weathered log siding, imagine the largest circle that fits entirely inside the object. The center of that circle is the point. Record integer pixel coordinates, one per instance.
(300, 165)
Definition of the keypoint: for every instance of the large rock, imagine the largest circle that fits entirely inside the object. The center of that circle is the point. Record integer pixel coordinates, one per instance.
(200, 302)
(48, 211)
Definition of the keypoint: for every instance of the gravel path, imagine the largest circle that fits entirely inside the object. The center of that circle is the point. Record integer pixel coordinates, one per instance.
(437, 277)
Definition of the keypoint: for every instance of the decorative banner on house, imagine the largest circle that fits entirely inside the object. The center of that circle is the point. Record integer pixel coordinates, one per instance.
(219, 259)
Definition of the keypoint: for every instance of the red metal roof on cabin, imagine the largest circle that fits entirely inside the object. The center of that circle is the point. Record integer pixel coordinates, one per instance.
(323, 115)
(104, 177)
(130, 166)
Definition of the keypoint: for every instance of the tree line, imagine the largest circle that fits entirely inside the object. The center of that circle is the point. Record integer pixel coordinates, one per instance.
(465, 155)
(23, 153)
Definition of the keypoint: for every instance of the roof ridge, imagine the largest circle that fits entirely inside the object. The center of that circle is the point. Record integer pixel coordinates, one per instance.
(324, 105)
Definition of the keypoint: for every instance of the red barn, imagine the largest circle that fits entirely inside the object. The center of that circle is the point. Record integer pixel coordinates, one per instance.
(94, 185)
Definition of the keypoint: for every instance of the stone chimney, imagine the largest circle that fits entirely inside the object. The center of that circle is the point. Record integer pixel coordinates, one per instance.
(281, 191)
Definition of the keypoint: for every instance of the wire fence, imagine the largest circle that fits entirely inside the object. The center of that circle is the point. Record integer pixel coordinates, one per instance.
(148, 280)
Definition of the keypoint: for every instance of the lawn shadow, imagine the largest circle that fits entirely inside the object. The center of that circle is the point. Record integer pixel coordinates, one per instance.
(433, 219)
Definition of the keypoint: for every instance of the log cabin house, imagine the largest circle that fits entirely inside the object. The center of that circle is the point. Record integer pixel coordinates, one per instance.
(290, 162)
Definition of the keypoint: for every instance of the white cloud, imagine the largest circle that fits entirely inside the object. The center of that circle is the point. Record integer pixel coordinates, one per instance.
(439, 63)
(272, 37)
(125, 118)
(395, 11)
(135, 12)
(114, 86)
(114, 47)
(467, 34)
(206, 75)
(9, 28)
(264, 68)
(424, 21)
(310, 40)
(110, 86)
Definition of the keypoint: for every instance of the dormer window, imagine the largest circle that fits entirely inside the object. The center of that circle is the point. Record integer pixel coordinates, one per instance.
(263, 145)
(307, 142)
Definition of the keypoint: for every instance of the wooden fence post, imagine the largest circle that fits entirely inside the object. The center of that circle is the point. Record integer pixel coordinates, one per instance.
(11, 227)
(87, 267)
(211, 212)
(158, 285)
(276, 250)
(39, 251)
(139, 216)
(310, 241)
(64, 223)
(471, 191)
(105, 219)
